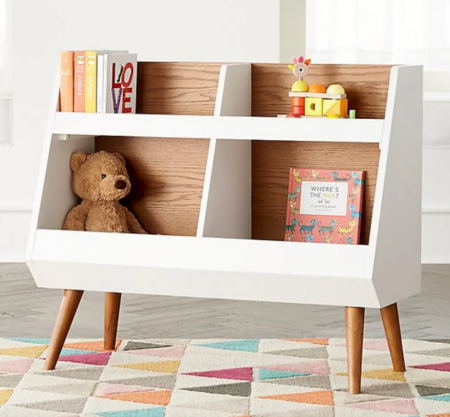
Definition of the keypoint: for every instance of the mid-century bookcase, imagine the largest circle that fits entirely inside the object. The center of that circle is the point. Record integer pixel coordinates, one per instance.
(209, 162)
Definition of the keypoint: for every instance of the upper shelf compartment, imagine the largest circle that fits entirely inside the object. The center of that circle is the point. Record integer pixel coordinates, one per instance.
(69, 125)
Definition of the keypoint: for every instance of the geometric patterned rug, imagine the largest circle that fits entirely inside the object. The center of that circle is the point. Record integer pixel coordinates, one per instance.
(221, 378)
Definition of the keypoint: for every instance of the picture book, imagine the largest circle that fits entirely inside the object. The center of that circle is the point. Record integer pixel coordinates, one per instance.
(118, 89)
(90, 70)
(66, 89)
(79, 80)
(324, 206)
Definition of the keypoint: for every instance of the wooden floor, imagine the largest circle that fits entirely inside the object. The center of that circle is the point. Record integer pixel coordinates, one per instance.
(26, 311)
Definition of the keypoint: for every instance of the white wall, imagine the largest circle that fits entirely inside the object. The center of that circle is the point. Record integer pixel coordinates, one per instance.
(158, 30)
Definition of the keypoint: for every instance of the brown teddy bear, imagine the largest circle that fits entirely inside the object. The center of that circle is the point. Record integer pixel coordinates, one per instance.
(101, 180)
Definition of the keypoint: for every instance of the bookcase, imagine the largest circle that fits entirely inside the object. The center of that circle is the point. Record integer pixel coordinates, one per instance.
(209, 165)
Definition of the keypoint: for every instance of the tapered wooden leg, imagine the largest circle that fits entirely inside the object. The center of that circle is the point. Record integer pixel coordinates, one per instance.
(391, 323)
(112, 308)
(354, 321)
(69, 306)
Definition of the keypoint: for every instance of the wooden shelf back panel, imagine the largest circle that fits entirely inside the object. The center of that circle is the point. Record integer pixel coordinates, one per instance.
(167, 180)
(367, 88)
(177, 88)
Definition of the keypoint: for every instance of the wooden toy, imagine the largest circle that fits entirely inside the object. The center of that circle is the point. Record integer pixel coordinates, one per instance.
(335, 89)
(300, 68)
(352, 114)
(298, 106)
(338, 107)
(318, 89)
(314, 106)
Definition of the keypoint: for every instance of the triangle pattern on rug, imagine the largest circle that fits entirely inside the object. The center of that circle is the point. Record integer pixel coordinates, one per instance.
(249, 345)
(309, 381)
(323, 342)
(316, 397)
(442, 367)
(399, 406)
(89, 374)
(5, 395)
(312, 353)
(173, 352)
(105, 388)
(445, 397)
(70, 352)
(96, 346)
(427, 390)
(144, 397)
(147, 412)
(10, 380)
(30, 340)
(241, 374)
(387, 374)
(27, 352)
(265, 374)
(99, 359)
(18, 366)
(134, 345)
(75, 405)
(241, 389)
(168, 367)
(161, 381)
(320, 367)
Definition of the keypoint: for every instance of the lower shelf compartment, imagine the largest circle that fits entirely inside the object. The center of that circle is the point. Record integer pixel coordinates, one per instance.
(204, 267)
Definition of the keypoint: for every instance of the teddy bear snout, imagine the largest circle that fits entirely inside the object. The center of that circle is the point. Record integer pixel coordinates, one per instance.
(121, 185)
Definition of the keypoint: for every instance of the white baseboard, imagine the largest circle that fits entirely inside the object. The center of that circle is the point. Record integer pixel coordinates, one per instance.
(14, 226)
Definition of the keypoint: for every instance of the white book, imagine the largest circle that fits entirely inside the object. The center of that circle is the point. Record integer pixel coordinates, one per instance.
(119, 83)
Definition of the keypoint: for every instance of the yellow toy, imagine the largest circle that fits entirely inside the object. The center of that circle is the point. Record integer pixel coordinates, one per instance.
(300, 68)
(314, 106)
(335, 107)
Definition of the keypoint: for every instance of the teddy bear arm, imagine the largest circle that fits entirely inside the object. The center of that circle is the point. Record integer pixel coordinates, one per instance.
(76, 219)
(133, 224)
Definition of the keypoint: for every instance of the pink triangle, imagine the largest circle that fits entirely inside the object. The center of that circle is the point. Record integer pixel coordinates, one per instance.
(316, 367)
(391, 406)
(175, 352)
(19, 366)
(376, 345)
(88, 359)
(108, 389)
(443, 367)
(241, 374)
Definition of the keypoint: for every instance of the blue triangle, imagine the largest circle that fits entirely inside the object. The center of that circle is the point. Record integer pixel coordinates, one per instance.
(445, 397)
(149, 412)
(33, 341)
(69, 351)
(274, 374)
(250, 345)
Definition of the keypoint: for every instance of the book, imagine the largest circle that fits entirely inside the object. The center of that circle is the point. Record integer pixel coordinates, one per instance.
(79, 80)
(324, 206)
(66, 88)
(117, 93)
(90, 82)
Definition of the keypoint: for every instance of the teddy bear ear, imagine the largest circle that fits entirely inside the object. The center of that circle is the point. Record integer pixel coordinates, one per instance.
(120, 157)
(76, 160)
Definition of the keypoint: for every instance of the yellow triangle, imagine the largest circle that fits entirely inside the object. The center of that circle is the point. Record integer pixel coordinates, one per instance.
(27, 352)
(168, 367)
(328, 104)
(387, 374)
(5, 396)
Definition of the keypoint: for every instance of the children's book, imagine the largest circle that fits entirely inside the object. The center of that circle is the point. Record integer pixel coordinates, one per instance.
(66, 89)
(117, 91)
(90, 70)
(324, 206)
(79, 80)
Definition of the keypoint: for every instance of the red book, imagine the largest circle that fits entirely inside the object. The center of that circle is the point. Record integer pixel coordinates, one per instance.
(66, 89)
(324, 206)
(79, 79)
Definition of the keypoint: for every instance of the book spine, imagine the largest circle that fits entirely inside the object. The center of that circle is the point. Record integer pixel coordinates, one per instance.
(66, 89)
(79, 80)
(100, 90)
(91, 82)
(105, 83)
(359, 208)
(288, 209)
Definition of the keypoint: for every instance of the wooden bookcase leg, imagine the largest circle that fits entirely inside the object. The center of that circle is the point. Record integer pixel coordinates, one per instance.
(391, 323)
(71, 301)
(354, 322)
(112, 308)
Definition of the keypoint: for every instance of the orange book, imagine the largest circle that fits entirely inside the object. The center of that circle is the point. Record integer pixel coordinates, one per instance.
(79, 80)
(66, 89)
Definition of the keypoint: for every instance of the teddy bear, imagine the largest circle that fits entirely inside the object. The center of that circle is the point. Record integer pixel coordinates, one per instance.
(101, 180)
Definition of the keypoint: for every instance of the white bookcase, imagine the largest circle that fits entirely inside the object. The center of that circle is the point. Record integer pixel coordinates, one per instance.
(222, 260)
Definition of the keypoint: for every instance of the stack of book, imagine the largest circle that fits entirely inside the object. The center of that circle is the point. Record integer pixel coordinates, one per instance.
(98, 82)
